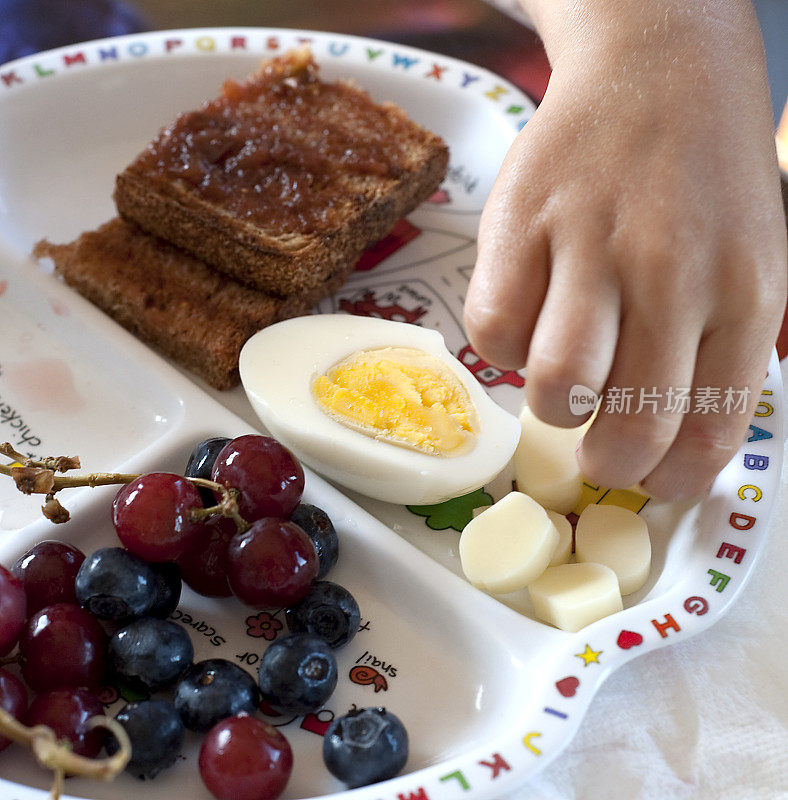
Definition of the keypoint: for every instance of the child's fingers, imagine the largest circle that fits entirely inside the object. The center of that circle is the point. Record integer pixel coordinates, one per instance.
(574, 342)
(506, 290)
(732, 361)
(509, 280)
(728, 378)
(637, 423)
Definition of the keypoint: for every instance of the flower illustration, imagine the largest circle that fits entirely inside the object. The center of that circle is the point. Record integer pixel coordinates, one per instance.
(263, 626)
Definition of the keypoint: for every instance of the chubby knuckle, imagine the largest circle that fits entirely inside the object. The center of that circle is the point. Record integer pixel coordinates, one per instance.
(747, 285)
(658, 235)
(710, 438)
(481, 321)
(600, 472)
(622, 449)
(554, 376)
(663, 243)
(672, 484)
(492, 337)
(647, 432)
(758, 293)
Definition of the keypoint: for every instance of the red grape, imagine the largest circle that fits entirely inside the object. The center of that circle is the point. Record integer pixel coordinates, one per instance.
(151, 516)
(47, 572)
(267, 474)
(272, 564)
(13, 610)
(13, 699)
(244, 758)
(62, 647)
(204, 566)
(67, 712)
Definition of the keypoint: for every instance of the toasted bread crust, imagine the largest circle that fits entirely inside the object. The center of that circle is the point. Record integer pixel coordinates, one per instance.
(393, 165)
(254, 258)
(195, 274)
(189, 312)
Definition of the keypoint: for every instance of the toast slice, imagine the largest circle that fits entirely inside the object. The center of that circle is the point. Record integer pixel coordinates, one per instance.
(283, 180)
(198, 317)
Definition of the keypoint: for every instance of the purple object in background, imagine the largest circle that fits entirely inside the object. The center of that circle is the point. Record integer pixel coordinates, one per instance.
(29, 26)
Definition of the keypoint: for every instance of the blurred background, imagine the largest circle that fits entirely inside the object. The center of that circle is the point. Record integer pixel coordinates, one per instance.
(472, 30)
(491, 34)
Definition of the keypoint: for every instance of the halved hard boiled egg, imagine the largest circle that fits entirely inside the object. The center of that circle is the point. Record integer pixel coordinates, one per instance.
(377, 406)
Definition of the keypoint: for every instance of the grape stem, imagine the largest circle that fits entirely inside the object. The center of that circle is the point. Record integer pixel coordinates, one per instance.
(37, 476)
(227, 505)
(60, 758)
(23, 474)
(56, 463)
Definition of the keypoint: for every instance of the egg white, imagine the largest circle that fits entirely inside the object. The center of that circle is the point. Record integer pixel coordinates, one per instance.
(277, 366)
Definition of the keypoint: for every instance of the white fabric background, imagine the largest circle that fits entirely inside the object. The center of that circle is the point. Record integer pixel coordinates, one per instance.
(705, 719)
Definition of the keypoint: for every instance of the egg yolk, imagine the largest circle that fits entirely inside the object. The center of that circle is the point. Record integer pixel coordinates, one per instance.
(401, 395)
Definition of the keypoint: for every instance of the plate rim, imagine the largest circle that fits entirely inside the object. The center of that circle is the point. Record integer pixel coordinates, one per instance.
(40, 66)
(556, 729)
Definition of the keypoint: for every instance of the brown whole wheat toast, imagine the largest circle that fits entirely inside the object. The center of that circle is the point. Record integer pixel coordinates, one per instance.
(191, 313)
(282, 181)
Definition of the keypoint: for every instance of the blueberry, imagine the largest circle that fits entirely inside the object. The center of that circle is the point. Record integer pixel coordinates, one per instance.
(114, 584)
(168, 589)
(200, 464)
(156, 733)
(319, 528)
(213, 690)
(365, 746)
(297, 673)
(327, 610)
(150, 653)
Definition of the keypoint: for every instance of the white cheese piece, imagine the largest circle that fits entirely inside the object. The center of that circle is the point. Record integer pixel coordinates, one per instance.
(563, 550)
(509, 545)
(571, 596)
(545, 463)
(617, 538)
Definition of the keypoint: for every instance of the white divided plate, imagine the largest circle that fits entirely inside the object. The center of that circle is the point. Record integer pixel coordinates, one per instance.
(488, 694)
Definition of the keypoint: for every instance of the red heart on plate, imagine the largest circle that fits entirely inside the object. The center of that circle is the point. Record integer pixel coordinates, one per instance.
(318, 723)
(568, 686)
(627, 639)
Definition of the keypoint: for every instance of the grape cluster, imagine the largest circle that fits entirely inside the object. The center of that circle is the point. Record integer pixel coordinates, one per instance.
(234, 524)
(62, 653)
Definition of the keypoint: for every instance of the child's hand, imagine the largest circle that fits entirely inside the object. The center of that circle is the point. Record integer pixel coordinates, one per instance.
(635, 237)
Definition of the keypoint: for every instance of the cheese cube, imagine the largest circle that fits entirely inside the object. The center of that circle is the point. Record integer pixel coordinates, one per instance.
(545, 463)
(617, 538)
(571, 596)
(509, 545)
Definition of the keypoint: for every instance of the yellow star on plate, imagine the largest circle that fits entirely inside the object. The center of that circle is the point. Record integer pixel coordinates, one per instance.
(589, 655)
